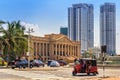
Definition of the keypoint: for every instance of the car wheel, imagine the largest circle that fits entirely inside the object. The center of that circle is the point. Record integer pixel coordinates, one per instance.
(31, 66)
(94, 73)
(13, 67)
(20, 67)
(24, 67)
(88, 73)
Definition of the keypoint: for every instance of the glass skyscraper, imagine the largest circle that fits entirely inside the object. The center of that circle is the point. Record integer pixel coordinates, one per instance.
(81, 25)
(108, 27)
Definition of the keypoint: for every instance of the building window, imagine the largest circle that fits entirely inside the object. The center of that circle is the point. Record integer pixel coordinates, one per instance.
(54, 53)
(44, 49)
(34, 48)
(60, 46)
(48, 53)
(57, 53)
(60, 53)
(48, 50)
(54, 45)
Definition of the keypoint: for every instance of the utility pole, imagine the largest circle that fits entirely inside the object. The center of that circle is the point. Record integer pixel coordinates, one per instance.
(30, 30)
(103, 51)
(103, 64)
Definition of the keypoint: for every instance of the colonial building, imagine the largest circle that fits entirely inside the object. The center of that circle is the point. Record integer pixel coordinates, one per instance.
(54, 46)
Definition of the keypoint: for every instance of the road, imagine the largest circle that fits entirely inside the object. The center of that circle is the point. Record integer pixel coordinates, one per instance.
(59, 73)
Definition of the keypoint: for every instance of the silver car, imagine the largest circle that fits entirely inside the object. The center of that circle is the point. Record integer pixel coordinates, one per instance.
(54, 64)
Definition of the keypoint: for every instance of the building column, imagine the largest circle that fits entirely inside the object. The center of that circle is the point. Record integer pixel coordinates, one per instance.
(46, 49)
(62, 50)
(59, 49)
(78, 51)
(75, 51)
(65, 49)
(51, 51)
(56, 49)
(43, 51)
(40, 49)
(68, 50)
(36, 50)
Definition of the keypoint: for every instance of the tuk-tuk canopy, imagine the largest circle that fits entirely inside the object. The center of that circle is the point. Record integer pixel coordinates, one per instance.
(88, 61)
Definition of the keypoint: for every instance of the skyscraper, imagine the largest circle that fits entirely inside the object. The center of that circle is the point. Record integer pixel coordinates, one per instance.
(80, 25)
(108, 27)
(64, 30)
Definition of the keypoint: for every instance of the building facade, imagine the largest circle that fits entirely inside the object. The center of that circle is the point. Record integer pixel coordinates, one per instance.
(108, 27)
(81, 25)
(55, 47)
(64, 30)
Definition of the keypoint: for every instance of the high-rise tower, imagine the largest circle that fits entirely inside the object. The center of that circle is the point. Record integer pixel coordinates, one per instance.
(64, 30)
(108, 27)
(80, 25)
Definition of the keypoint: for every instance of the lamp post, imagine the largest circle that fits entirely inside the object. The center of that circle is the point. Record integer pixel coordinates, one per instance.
(30, 30)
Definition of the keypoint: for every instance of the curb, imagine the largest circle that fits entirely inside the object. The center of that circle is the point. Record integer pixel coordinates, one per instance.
(4, 67)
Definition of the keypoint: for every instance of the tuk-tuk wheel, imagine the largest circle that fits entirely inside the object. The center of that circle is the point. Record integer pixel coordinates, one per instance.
(88, 73)
(73, 73)
(94, 73)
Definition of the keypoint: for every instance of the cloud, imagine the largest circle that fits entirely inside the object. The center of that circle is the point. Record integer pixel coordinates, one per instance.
(35, 28)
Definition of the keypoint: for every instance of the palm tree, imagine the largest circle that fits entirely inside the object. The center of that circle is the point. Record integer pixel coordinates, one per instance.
(14, 42)
(2, 22)
(1, 47)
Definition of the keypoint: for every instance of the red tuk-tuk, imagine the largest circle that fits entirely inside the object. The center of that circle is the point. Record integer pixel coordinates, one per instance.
(85, 66)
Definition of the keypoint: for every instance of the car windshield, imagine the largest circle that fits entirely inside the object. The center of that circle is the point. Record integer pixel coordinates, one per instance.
(24, 61)
(37, 61)
(54, 63)
(40, 61)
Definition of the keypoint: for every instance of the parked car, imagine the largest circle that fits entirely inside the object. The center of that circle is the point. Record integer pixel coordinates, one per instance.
(54, 64)
(38, 63)
(21, 64)
(62, 62)
(3, 62)
(48, 62)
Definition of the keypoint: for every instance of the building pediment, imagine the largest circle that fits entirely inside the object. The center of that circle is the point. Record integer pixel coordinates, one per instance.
(64, 39)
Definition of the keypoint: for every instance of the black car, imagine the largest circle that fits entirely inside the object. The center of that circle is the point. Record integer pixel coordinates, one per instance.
(62, 62)
(21, 64)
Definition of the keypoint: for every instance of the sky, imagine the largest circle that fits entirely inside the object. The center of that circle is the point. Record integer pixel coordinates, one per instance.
(47, 16)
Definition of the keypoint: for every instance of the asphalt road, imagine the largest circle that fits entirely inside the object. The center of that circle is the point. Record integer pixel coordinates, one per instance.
(59, 73)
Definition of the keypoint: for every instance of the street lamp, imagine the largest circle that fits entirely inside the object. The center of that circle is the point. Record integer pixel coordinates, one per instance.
(30, 30)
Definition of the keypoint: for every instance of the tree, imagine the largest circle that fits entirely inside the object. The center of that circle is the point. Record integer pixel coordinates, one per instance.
(13, 40)
(1, 47)
(87, 54)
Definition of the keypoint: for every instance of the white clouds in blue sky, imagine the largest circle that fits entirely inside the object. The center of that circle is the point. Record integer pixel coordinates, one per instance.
(35, 28)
